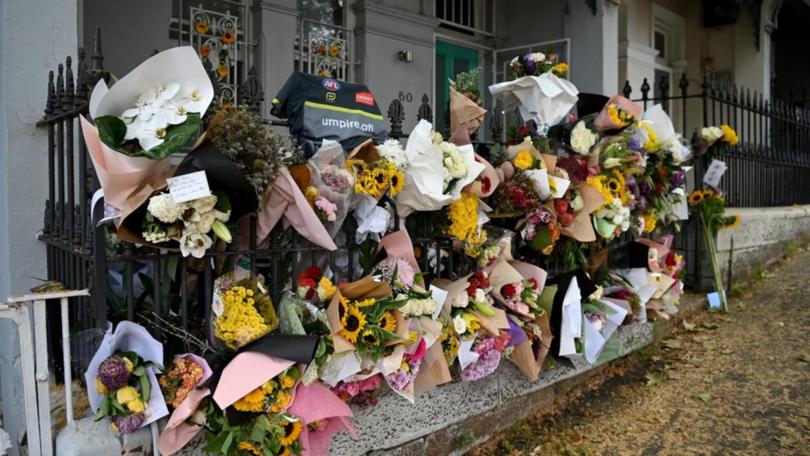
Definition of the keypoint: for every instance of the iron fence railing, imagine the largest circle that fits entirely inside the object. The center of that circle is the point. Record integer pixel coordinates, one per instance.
(152, 286)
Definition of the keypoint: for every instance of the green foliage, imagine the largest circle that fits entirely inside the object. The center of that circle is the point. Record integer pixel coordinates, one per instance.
(111, 131)
(468, 82)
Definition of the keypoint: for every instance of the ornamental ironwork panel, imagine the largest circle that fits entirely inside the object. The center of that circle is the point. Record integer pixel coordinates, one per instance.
(215, 36)
(325, 50)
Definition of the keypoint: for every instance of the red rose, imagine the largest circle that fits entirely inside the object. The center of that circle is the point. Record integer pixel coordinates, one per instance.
(533, 282)
(508, 291)
(304, 281)
(313, 271)
(561, 205)
(486, 184)
(565, 218)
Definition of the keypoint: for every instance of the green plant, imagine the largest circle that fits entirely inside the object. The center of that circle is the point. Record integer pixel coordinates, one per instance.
(465, 439)
(792, 247)
(467, 83)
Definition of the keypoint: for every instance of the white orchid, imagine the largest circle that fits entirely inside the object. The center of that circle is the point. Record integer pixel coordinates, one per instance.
(189, 98)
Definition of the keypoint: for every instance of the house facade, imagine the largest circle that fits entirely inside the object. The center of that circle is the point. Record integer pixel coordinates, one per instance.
(401, 49)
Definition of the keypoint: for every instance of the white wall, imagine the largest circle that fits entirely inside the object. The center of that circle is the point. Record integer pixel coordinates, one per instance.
(37, 35)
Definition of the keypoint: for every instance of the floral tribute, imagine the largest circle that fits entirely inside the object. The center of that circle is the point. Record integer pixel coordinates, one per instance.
(399, 314)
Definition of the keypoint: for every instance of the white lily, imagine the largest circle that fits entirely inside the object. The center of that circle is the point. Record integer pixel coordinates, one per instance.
(194, 244)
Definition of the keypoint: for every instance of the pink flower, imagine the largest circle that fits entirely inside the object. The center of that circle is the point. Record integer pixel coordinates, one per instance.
(327, 207)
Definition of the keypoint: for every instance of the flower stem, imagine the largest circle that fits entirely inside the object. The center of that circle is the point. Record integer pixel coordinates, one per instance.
(710, 247)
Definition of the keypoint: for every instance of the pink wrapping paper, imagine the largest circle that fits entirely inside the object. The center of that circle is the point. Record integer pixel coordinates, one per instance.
(119, 175)
(178, 432)
(398, 245)
(316, 403)
(529, 270)
(246, 372)
(603, 122)
(658, 251)
(286, 201)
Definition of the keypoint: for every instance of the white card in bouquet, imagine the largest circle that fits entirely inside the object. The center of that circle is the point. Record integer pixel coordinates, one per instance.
(594, 342)
(188, 187)
(466, 355)
(681, 208)
(571, 325)
(714, 173)
(440, 296)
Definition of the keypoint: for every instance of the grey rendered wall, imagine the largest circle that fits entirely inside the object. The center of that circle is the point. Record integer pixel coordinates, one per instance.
(382, 30)
(36, 36)
(129, 33)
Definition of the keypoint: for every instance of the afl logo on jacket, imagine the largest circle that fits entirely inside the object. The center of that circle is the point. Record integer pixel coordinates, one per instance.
(331, 84)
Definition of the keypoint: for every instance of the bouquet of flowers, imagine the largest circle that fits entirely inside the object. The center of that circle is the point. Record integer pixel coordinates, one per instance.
(243, 311)
(150, 113)
(539, 229)
(374, 175)
(710, 206)
(191, 223)
(465, 102)
(618, 113)
(369, 324)
(437, 171)
(126, 390)
(186, 373)
(709, 136)
(465, 226)
(181, 386)
(251, 145)
(267, 426)
(313, 286)
(536, 64)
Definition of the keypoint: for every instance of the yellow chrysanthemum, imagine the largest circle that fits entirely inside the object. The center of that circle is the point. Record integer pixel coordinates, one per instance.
(387, 322)
(463, 214)
(353, 322)
(251, 402)
(292, 429)
(287, 382)
(311, 193)
(729, 135)
(523, 160)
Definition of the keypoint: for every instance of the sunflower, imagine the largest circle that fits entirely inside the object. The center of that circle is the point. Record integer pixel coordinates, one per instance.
(252, 402)
(269, 386)
(613, 185)
(201, 27)
(353, 322)
(222, 71)
(732, 221)
(292, 429)
(613, 114)
(387, 322)
(369, 337)
(283, 400)
(249, 448)
(284, 451)
(695, 197)
(397, 182)
(707, 194)
(380, 180)
(365, 303)
(229, 37)
(342, 303)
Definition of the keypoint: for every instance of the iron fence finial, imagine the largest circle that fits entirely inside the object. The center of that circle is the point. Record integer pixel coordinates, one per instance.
(425, 112)
(396, 114)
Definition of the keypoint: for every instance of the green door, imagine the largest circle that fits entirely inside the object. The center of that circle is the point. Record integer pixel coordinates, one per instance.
(450, 61)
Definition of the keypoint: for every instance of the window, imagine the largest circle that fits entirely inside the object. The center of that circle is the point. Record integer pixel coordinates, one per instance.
(660, 44)
(324, 45)
(469, 17)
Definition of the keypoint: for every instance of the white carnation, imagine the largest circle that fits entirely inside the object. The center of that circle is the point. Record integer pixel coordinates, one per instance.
(453, 162)
(392, 151)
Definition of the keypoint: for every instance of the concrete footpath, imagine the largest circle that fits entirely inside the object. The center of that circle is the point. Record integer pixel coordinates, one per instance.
(719, 384)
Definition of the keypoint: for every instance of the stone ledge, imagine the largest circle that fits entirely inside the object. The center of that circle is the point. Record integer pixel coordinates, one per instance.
(434, 424)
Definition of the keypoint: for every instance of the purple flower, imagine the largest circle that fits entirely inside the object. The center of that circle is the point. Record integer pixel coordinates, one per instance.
(528, 64)
(113, 373)
(633, 186)
(128, 424)
(677, 178)
(635, 143)
(644, 188)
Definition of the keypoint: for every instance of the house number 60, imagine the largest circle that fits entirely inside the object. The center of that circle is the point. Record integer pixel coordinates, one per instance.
(405, 96)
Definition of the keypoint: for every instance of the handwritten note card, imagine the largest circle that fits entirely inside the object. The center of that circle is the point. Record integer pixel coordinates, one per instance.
(188, 187)
(715, 172)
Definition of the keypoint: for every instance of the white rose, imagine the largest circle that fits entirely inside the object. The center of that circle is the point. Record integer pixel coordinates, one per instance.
(538, 56)
(480, 296)
(429, 306)
(459, 325)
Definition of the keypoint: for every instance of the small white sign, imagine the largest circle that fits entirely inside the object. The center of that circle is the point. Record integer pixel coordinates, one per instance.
(188, 187)
(715, 172)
